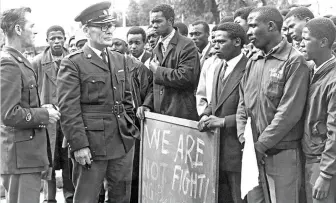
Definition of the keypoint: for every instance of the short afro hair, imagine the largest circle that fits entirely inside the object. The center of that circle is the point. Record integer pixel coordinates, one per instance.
(205, 25)
(322, 28)
(71, 38)
(167, 11)
(267, 14)
(300, 13)
(137, 30)
(182, 28)
(284, 12)
(226, 19)
(55, 28)
(243, 12)
(333, 18)
(234, 30)
(12, 17)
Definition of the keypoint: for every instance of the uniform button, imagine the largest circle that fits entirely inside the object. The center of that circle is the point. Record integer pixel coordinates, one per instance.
(31, 85)
(93, 81)
(117, 102)
(31, 137)
(114, 88)
(118, 116)
(161, 92)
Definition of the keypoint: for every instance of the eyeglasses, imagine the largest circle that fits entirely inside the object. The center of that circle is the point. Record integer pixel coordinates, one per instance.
(104, 27)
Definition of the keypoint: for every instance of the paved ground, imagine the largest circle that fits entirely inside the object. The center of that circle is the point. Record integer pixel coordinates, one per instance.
(59, 194)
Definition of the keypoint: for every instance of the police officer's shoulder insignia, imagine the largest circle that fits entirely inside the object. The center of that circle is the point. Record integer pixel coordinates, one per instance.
(28, 117)
(74, 53)
(19, 59)
(89, 56)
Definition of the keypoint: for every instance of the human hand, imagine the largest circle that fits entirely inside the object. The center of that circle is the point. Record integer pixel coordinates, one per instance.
(321, 188)
(214, 122)
(54, 115)
(141, 112)
(201, 125)
(83, 156)
(154, 64)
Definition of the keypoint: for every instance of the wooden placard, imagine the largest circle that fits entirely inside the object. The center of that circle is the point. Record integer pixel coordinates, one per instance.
(178, 163)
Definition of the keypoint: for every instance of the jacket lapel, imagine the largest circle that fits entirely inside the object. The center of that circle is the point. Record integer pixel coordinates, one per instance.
(48, 64)
(215, 81)
(157, 52)
(94, 59)
(171, 45)
(232, 81)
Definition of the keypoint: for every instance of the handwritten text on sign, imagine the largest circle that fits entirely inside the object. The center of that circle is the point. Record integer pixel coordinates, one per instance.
(178, 164)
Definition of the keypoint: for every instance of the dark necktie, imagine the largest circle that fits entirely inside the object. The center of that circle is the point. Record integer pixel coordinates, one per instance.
(104, 57)
(222, 72)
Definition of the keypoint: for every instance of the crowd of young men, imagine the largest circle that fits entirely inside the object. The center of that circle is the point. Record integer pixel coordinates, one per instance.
(276, 68)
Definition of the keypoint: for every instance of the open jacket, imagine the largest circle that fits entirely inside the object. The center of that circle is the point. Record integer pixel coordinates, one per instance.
(46, 69)
(176, 79)
(23, 135)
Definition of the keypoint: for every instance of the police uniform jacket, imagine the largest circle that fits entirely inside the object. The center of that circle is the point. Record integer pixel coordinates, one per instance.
(46, 69)
(176, 79)
(23, 134)
(96, 104)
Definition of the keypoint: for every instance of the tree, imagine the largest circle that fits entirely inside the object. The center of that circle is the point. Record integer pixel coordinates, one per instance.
(133, 14)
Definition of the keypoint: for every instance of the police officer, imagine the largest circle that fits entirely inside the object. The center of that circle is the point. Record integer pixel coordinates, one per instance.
(23, 137)
(94, 95)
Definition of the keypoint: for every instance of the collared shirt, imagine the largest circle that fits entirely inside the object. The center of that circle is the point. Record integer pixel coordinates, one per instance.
(165, 41)
(140, 57)
(206, 49)
(231, 64)
(318, 68)
(98, 52)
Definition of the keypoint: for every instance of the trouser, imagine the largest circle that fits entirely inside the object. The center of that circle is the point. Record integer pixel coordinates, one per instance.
(312, 171)
(135, 173)
(283, 176)
(49, 189)
(22, 188)
(117, 172)
(229, 187)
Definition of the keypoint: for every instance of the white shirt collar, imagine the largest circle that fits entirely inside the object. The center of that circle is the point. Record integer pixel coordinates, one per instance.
(165, 41)
(98, 52)
(318, 68)
(206, 49)
(233, 62)
(140, 57)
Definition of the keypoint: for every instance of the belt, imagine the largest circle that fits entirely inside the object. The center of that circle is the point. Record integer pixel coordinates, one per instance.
(283, 146)
(113, 109)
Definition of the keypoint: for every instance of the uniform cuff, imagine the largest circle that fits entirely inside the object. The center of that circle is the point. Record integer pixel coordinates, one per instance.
(260, 147)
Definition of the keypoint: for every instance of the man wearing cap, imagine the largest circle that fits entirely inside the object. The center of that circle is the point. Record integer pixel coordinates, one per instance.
(46, 66)
(95, 99)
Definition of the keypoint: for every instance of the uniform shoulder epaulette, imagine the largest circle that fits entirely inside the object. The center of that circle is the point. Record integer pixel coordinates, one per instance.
(74, 53)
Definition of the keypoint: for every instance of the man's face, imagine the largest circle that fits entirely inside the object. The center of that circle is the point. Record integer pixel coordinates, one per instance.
(152, 37)
(241, 22)
(136, 44)
(309, 46)
(223, 45)
(199, 36)
(56, 42)
(160, 23)
(295, 27)
(119, 46)
(100, 39)
(285, 31)
(28, 32)
(72, 46)
(258, 31)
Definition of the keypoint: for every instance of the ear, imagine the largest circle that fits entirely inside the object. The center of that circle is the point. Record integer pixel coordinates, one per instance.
(86, 31)
(170, 20)
(307, 19)
(272, 26)
(18, 29)
(237, 42)
(324, 42)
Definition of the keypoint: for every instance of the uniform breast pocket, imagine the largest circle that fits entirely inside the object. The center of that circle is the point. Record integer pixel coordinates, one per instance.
(274, 88)
(93, 88)
(95, 131)
(33, 98)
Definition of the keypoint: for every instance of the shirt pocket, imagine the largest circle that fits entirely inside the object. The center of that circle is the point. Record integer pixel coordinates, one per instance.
(275, 84)
(93, 88)
(95, 131)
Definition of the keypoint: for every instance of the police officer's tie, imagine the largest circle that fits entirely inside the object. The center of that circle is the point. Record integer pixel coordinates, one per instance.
(104, 57)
